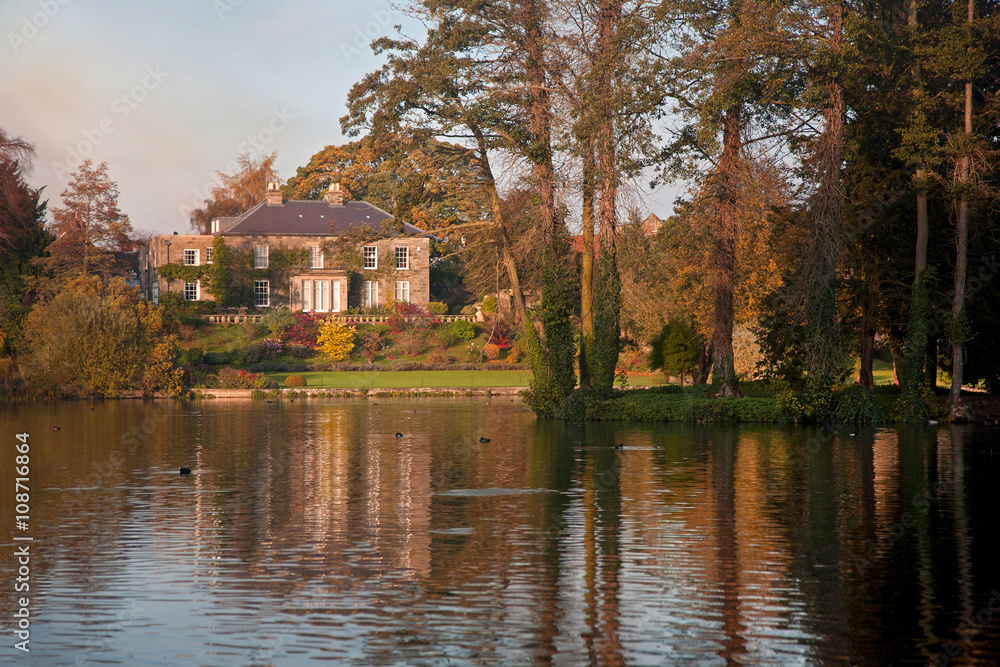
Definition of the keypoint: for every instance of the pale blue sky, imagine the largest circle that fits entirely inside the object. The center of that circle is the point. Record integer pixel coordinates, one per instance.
(168, 92)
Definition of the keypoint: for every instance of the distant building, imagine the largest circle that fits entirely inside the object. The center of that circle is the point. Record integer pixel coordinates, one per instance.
(295, 224)
(650, 226)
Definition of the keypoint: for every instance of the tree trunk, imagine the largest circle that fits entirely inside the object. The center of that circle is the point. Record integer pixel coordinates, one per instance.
(956, 411)
(724, 256)
(869, 306)
(921, 172)
(540, 111)
(930, 363)
(587, 267)
(506, 256)
(821, 305)
(607, 297)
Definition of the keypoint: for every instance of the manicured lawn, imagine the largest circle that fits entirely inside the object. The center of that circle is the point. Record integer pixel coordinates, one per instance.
(409, 379)
(882, 370)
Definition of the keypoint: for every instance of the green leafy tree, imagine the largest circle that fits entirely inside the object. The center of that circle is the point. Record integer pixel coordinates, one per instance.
(98, 339)
(676, 349)
(22, 237)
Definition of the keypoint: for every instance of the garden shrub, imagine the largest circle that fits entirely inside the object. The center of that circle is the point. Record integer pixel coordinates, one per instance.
(499, 331)
(438, 358)
(248, 354)
(371, 344)
(270, 348)
(492, 351)
(490, 304)
(277, 321)
(216, 358)
(192, 356)
(299, 351)
(468, 310)
(411, 343)
(335, 340)
(295, 381)
(515, 354)
(232, 378)
(463, 330)
(304, 330)
(437, 308)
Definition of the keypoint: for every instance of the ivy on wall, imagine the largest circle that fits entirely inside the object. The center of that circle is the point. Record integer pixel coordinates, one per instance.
(231, 275)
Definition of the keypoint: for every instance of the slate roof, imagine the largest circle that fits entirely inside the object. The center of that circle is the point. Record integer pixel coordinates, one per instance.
(312, 218)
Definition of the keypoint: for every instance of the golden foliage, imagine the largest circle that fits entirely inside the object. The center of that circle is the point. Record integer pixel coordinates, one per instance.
(668, 274)
(335, 340)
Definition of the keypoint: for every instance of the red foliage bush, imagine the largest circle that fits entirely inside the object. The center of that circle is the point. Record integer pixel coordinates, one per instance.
(304, 331)
(410, 318)
(503, 333)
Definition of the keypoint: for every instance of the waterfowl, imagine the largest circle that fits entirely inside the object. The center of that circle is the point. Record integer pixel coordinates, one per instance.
(399, 435)
(484, 439)
(620, 445)
(185, 471)
(56, 428)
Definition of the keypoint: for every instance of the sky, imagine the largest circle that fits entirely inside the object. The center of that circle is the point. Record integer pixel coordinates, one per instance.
(170, 92)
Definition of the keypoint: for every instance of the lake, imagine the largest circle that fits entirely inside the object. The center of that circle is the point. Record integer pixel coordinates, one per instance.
(309, 533)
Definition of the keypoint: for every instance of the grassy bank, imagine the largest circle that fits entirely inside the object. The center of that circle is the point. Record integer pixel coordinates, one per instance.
(416, 379)
(763, 403)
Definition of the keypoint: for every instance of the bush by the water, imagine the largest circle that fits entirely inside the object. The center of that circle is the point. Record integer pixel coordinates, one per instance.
(295, 381)
(856, 405)
(232, 378)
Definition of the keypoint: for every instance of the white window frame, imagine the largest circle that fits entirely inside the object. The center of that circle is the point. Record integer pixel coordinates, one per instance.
(197, 291)
(307, 286)
(402, 258)
(321, 296)
(193, 256)
(260, 256)
(315, 257)
(258, 292)
(335, 296)
(370, 294)
(370, 252)
(208, 255)
(402, 292)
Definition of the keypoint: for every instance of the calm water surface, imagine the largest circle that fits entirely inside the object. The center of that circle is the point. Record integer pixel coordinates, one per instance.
(310, 533)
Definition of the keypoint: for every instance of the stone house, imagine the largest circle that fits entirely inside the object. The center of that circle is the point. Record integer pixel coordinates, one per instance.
(300, 224)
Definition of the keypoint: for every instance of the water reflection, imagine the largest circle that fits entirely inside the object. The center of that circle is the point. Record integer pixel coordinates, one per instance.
(308, 531)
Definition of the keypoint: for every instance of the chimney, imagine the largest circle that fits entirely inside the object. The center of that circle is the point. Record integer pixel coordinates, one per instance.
(335, 196)
(273, 194)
